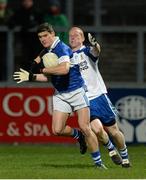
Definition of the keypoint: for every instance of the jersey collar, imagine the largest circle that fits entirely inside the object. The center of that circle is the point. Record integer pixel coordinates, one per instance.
(80, 49)
(57, 40)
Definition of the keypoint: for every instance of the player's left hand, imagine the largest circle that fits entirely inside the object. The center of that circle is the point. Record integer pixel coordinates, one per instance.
(92, 40)
(22, 76)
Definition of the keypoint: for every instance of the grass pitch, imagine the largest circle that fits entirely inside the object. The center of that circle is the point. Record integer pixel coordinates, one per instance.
(65, 162)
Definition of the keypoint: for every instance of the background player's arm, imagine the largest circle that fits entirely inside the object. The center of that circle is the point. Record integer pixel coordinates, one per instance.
(95, 49)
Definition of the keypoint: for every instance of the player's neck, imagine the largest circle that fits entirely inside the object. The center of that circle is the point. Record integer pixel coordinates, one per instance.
(77, 47)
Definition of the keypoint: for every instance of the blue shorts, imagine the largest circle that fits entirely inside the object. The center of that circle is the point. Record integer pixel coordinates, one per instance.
(102, 108)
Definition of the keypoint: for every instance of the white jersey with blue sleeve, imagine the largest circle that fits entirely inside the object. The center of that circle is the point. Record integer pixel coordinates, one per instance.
(90, 73)
(71, 81)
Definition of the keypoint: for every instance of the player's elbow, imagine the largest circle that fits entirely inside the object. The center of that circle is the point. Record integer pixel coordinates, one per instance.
(65, 68)
(65, 71)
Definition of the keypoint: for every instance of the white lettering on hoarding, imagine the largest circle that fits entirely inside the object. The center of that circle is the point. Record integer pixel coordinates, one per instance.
(41, 106)
(32, 129)
(26, 105)
(49, 105)
(6, 107)
(12, 129)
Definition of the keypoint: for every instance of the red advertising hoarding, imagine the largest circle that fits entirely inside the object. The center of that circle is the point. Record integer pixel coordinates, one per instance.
(26, 116)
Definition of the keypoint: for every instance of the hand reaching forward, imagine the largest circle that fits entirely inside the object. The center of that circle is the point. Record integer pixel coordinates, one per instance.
(23, 75)
(92, 40)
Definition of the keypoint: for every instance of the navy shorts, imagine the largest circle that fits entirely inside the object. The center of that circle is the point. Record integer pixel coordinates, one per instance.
(102, 108)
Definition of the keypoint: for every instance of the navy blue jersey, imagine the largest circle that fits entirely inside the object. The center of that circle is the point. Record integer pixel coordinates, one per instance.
(71, 81)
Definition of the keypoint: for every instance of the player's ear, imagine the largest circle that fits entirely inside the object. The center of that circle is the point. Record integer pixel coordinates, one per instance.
(83, 37)
(53, 33)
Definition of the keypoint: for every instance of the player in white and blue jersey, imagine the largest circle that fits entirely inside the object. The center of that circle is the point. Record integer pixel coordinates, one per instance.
(101, 108)
(69, 95)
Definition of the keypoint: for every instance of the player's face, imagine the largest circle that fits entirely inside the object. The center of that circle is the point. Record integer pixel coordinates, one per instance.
(27, 3)
(46, 38)
(75, 38)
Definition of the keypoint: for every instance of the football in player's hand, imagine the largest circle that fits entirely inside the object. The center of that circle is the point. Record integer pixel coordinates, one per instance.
(50, 59)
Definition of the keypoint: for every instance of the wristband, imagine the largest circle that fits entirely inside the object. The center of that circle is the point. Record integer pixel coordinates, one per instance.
(32, 77)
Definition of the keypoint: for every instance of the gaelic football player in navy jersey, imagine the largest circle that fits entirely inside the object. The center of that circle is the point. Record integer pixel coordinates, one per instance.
(101, 109)
(69, 95)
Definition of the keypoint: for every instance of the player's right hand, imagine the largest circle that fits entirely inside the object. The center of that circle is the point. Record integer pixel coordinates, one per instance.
(23, 75)
(92, 40)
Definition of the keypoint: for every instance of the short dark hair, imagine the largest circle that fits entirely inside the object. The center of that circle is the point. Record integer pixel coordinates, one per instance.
(45, 27)
(54, 3)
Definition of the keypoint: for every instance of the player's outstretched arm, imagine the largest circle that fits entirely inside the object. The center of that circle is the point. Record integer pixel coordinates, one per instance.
(23, 75)
(94, 44)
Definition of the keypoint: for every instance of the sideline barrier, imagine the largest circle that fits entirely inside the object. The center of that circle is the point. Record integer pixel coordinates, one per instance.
(26, 113)
(131, 105)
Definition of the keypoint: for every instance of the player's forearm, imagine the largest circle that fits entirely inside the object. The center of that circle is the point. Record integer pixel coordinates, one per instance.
(96, 50)
(61, 69)
(41, 78)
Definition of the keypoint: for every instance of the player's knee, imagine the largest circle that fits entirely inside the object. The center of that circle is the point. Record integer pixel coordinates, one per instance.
(86, 130)
(115, 132)
(98, 131)
(57, 132)
(97, 127)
